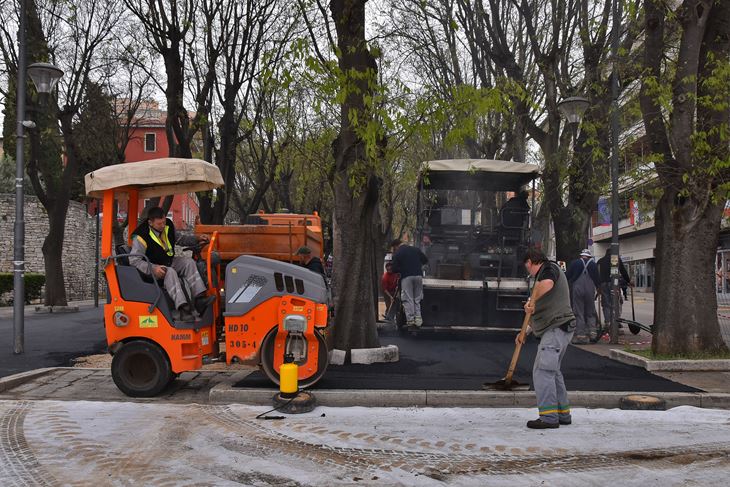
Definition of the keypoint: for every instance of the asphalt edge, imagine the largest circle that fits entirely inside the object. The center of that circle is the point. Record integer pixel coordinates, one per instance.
(15, 380)
(716, 365)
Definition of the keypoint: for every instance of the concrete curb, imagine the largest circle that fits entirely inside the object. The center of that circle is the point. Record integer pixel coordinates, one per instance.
(670, 365)
(225, 393)
(29, 309)
(7, 383)
(41, 310)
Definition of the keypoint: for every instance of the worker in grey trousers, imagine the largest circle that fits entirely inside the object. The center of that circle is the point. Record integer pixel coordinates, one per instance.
(408, 261)
(583, 280)
(553, 323)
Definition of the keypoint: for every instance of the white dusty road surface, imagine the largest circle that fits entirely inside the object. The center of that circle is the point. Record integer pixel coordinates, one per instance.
(133, 444)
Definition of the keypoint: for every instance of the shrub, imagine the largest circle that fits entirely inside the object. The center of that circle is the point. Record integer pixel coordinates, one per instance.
(33, 284)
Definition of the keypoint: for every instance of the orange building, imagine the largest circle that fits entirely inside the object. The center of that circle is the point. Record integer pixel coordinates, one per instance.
(147, 140)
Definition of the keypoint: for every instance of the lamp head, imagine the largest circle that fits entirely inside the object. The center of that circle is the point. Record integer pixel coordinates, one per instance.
(573, 108)
(44, 76)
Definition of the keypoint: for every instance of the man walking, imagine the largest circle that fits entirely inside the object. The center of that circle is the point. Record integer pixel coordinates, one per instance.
(553, 324)
(583, 280)
(156, 238)
(408, 262)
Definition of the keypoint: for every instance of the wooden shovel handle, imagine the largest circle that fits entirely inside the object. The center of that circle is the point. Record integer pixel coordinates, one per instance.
(518, 348)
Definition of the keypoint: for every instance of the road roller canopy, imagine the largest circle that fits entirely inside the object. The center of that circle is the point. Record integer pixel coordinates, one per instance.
(156, 177)
(476, 174)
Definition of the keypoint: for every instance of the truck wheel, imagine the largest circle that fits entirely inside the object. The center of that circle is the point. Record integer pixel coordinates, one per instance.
(267, 359)
(141, 369)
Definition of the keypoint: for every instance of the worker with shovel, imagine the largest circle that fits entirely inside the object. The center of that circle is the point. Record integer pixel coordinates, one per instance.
(553, 323)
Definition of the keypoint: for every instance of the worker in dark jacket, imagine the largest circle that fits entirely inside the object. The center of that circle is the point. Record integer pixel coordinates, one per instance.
(604, 271)
(408, 262)
(156, 238)
(583, 279)
(311, 262)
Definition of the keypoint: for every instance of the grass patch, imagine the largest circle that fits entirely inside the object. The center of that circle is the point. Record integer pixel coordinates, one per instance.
(690, 356)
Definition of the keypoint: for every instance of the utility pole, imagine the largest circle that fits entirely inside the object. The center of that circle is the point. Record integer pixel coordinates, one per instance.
(615, 303)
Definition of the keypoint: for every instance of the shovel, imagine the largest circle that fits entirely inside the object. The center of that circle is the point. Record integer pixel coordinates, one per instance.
(507, 384)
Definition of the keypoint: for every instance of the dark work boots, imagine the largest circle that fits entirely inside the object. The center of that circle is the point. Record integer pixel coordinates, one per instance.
(539, 424)
(202, 302)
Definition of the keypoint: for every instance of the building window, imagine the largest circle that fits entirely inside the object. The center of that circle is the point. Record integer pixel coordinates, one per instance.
(150, 142)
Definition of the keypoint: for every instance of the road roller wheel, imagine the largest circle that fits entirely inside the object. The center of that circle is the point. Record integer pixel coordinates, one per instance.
(141, 369)
(267, 359)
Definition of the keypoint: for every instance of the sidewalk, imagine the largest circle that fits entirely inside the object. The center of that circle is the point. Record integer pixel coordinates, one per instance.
(7, 311)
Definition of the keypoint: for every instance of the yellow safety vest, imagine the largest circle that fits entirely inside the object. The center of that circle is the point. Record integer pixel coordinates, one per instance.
(168, 249)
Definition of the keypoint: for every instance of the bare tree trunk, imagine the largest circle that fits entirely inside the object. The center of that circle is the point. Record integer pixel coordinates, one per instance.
(693, 199)
(353, 267)
(571, 232)
(355, 207)
(55, 292)
(685, 269)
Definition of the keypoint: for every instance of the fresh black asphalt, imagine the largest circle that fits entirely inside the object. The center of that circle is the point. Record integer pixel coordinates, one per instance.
(465, 361)
(52, 340)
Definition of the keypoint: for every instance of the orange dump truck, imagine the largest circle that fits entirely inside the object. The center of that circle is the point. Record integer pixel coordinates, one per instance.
(272, 235)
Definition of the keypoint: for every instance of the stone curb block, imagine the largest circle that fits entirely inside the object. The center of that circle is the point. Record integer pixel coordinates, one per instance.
(374, 355)
(670, 365)
(337, 357)
(56, 309)
(11, 381)
(715, 401)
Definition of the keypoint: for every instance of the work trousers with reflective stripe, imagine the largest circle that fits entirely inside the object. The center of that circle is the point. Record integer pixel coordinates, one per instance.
(411, 295)
(183, 268)
(552, 397)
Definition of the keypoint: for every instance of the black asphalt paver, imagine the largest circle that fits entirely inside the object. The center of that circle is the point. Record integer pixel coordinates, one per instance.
(463, 361)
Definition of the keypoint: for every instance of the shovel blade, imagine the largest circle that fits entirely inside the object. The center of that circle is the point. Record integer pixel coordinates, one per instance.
(505, 385)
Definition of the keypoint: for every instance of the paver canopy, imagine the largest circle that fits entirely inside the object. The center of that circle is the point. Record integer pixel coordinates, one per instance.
(156, 177)
(481, 174)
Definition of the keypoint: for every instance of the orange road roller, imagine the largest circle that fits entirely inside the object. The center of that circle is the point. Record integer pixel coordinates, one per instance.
(263, 309)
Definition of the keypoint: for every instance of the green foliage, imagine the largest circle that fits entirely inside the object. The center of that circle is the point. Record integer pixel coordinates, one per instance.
(95, 132)
(33, 285)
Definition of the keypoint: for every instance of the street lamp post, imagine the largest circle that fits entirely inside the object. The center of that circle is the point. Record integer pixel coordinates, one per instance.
(44, 76)
(19, 226)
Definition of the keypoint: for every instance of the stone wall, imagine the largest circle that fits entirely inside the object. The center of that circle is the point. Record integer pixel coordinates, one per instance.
(78, 247)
